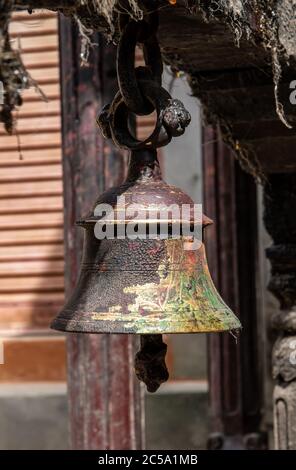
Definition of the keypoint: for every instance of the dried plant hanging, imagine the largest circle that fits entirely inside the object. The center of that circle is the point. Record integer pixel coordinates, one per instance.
(13, 74)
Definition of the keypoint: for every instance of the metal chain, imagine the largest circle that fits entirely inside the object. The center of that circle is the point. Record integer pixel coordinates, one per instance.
(140, 91)
(134, 33)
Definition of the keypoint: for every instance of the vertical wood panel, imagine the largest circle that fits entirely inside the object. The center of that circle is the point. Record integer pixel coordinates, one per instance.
(235, 374)
(104, 396)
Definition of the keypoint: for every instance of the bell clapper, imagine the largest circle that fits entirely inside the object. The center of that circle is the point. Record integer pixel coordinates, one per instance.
(150, 366)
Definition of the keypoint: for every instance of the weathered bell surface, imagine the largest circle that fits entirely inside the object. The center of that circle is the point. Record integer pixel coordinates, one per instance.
(144, 286)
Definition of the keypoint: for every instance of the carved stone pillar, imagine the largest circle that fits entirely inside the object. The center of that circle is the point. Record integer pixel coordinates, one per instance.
(280, 222)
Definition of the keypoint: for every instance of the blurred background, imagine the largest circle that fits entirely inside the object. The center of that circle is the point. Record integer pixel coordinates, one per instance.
(33, 402)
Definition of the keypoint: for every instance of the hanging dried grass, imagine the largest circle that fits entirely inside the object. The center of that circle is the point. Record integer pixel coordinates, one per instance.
(108, 8)
(276, 19)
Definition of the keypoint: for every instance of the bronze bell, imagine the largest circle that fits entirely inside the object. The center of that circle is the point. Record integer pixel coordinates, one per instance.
(143, 286)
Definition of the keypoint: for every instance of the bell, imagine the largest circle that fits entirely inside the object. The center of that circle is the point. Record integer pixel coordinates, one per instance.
(144, 285)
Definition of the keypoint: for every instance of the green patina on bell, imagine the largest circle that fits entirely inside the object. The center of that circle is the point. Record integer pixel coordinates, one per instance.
(144, 286)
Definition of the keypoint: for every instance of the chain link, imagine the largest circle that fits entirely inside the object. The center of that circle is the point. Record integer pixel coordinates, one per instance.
(133, 33)
(140, 91)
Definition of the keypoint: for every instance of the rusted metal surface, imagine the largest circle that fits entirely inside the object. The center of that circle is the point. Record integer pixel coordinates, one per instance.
(171, 292)
(235, 369)
(144, 286)
(105, 399)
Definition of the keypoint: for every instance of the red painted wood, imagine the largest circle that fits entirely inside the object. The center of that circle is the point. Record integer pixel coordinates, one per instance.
(105, 401)
(235, 374)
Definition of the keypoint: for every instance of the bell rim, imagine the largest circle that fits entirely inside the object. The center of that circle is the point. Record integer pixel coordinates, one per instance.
(119, 327)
